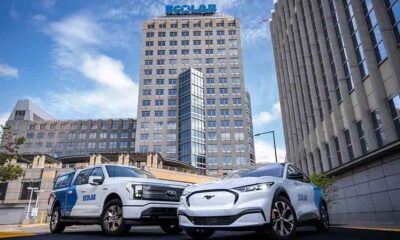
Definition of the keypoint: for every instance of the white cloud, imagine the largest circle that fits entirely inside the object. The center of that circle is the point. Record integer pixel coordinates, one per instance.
(14, 14)
(8, 71)
(76, 31)
(110, 92)
(4, 117)
(264, 118)
(39, 18)
(265, 152)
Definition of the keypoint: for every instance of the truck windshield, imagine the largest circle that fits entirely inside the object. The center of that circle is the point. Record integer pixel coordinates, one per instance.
(119, 171)
(273, 170)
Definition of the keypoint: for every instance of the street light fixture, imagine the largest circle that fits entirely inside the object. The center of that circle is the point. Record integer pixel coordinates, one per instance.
(273, 135)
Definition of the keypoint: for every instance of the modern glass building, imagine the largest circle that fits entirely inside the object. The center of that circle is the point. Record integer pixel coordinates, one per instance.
(191, 139)
(209, 43)
(338, 70)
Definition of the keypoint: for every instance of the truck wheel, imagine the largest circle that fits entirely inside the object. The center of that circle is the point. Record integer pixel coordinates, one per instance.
(199, 233)
(112, 222)
(283, 219)
(56, 226)
(171, 229)
(323, 222)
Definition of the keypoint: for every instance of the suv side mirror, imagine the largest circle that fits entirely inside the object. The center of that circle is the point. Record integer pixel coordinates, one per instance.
(295, 176)
(95, 180)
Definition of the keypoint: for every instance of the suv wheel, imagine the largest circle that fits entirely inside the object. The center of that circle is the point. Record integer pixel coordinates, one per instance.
(171, 228)
(283, 219)
(112, 222)
(323, 223)
(199, 233)
(56, 226)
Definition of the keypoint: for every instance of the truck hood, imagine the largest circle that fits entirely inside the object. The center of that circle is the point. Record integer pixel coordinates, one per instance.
(149, 181)
(231, 183)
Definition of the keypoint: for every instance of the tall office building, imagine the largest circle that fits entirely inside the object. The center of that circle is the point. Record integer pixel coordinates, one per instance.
(338, 69)
(208, 42)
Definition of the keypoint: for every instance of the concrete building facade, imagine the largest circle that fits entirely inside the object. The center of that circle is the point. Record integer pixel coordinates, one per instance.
(58, 138)
(210, 44)
(338, 71)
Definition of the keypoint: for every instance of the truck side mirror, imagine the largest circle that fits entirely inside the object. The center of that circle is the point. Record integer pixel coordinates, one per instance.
(95, 180)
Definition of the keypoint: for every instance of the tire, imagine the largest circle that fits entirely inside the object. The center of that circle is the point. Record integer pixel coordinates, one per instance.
(171, 229)
(56, 226)
(322, 224)
(199, 233)
(112, 221)
(283, 219)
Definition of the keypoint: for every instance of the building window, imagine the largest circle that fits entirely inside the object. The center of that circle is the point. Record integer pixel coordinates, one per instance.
(338, 152)
(26, 193)
(374, 31)
(349, 144)
(363, 138)
(394, 105)
(393, 9)
(328, 155)
(3, 190)
(377, 123)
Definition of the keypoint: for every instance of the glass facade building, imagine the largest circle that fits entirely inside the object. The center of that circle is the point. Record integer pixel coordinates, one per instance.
(192, 145)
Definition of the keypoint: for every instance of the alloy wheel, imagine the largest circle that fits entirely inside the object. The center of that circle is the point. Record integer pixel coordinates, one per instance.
(54, 220)
(282, 218)
(113, 218)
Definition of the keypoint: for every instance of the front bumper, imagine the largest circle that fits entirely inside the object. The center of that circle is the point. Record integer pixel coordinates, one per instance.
(249, 210)
(151, 213)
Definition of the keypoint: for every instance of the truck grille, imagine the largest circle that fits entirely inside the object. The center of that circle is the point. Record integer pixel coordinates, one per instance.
(161, 193)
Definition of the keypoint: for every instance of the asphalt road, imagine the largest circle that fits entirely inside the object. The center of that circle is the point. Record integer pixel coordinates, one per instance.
(94, 232)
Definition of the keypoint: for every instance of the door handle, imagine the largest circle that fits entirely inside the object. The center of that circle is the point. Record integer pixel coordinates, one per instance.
(69, 192)
(83, 191)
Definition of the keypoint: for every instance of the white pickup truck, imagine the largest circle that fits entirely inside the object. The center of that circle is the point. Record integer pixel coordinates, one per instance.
(116, 197)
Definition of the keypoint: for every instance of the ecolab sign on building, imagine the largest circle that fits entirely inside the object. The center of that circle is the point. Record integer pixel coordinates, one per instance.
(190, 9)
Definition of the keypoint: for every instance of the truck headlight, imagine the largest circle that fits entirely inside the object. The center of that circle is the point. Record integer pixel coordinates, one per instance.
(255, 187)
(137, 191)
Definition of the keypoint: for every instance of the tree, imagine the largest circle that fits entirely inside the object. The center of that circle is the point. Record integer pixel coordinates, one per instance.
(8, 152)
(326, 184)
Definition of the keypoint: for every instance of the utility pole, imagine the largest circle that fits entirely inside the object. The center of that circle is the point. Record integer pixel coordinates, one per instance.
(273, 135)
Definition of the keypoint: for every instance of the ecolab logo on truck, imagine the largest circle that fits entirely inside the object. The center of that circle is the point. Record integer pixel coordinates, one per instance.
(190, 9)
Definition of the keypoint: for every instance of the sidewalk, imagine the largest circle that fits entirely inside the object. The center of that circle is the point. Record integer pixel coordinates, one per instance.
(7, 231)
(387, 228)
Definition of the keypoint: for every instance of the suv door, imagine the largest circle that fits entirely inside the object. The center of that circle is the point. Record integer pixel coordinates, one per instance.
(93, 194)
(79, 187)
(60, 190)
(301, 193)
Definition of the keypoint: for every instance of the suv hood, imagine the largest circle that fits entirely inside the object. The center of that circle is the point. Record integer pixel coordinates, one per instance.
(149, 181)
(231, 183)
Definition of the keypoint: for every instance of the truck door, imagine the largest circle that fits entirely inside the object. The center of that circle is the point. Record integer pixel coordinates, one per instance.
(75, 194)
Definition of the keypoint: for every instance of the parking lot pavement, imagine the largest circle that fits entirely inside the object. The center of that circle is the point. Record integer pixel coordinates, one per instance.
(309, 233)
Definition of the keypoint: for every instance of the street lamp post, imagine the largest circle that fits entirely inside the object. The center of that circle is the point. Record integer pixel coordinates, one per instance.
(273, 135)
(30, 200)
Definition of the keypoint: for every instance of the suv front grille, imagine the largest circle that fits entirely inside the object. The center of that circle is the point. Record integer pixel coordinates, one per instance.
(213, 220)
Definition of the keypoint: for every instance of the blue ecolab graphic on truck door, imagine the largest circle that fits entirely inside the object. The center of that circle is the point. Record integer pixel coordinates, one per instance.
(70, 200)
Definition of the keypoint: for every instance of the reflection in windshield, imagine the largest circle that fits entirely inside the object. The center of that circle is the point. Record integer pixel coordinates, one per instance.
(273, 170)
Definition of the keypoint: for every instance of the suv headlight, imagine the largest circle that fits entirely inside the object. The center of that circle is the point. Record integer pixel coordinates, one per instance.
(255, 187)
(137, 191)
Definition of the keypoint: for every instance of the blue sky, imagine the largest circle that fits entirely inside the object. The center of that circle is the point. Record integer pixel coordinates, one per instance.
(80, 59)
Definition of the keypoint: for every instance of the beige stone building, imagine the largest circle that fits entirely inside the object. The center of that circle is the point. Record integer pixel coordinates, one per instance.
(338, 69)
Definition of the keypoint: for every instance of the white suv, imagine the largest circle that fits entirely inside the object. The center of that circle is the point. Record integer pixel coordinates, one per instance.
(278, 197)
(116, 197)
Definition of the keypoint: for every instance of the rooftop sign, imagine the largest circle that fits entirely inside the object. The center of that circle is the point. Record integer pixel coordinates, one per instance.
(190, 9)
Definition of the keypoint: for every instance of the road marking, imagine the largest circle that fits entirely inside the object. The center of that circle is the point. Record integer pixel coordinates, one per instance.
(375, 229)
(15, 234)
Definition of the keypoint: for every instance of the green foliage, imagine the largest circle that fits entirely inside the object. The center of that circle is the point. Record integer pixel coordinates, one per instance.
(326, 184)
(8, 152)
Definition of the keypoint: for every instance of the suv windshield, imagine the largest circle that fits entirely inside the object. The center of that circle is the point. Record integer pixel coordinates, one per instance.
(273, 170)
(119, 171)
